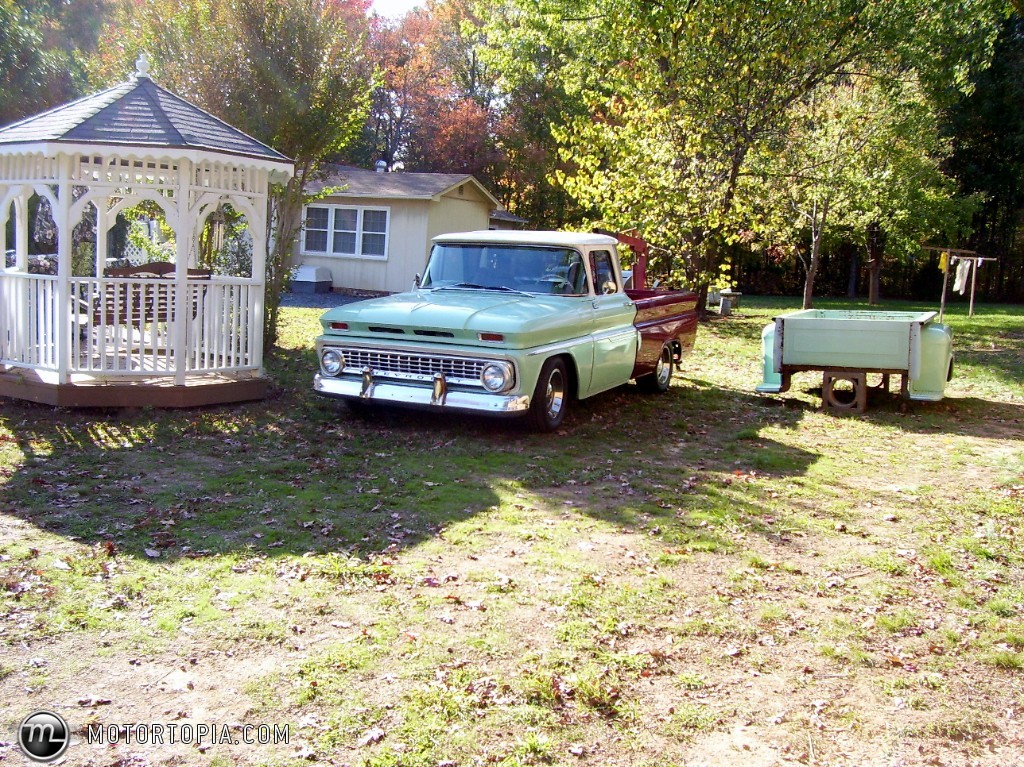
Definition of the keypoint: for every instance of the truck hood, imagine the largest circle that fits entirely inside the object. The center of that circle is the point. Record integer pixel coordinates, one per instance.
(458, 316)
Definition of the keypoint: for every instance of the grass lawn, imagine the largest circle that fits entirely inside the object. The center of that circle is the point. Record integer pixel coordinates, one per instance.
(705, 577)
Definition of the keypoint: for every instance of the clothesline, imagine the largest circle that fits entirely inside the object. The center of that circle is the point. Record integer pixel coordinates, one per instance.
(969, 263)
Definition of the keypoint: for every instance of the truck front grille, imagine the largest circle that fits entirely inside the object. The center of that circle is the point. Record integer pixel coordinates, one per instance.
(418, 367)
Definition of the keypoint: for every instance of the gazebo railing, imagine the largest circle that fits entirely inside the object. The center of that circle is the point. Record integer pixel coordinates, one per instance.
(127, 327)
(27, 320)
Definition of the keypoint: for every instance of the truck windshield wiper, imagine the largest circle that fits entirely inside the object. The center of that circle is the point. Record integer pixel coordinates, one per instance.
(458, 285)
(475, 286)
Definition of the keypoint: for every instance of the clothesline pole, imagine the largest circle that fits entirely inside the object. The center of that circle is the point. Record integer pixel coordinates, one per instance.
(974, 276)
(942, 302)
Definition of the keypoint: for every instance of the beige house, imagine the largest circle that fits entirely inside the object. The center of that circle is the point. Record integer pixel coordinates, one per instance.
(372, 230)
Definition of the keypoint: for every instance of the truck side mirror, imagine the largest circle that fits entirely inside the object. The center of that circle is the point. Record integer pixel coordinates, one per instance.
(416, 282)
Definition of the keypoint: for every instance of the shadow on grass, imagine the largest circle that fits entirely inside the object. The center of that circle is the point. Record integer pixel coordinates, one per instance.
(299, 474)
(964, 416)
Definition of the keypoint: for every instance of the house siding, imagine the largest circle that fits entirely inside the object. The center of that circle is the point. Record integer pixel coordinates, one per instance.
(411, 225)
(453, 213)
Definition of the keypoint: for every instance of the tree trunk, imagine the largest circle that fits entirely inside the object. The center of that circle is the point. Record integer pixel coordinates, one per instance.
(875, 248)
(286, 204)
(874, 278)
(812, 271)
(851, 282)
(817, 229)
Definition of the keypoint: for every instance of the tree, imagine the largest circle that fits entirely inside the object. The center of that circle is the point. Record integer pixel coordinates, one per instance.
(986, 129)
(443, 104)
(862, 156)
(433, 108)
(291, 73)
(534, 103)
(810, 167)
(34, 74)
(682, 92)
(405, 71)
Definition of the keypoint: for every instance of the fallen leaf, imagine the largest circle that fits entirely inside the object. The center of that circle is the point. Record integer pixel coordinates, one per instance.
(305, 752)
(93, 701)
(373, 735)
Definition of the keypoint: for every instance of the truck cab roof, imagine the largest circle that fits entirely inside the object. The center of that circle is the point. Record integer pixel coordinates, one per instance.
(519, 237)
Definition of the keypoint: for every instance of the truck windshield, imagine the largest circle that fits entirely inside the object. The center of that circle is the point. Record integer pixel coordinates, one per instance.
(526, 268)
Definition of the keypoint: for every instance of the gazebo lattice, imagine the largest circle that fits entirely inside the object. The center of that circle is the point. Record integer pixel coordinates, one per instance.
(173, 335)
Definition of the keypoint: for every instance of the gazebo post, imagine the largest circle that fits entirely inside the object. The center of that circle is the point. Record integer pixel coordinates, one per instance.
(183, 225)
(21, 231)
(259, 267)
(62, 218)
(21, 255)
(102, 232)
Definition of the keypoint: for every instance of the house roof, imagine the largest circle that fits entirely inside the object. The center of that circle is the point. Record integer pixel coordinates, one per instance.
(359, 182)
(137, 113)
(511, 218)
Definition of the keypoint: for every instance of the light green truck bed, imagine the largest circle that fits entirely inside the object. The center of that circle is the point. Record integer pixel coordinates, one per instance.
(906, 343)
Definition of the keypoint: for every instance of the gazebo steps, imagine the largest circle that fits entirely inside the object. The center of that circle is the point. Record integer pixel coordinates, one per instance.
(161, 391)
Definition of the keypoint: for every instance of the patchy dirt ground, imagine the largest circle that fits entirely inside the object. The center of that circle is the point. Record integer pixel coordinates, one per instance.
(708, 579)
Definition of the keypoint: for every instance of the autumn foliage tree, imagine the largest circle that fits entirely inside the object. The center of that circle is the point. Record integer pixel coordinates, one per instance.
(433, 107)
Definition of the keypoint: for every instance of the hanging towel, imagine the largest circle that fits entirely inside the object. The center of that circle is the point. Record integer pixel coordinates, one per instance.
(963, 270)
(944, 261)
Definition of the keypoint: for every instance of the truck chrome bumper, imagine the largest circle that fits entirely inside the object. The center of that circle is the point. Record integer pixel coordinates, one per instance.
(418, 396)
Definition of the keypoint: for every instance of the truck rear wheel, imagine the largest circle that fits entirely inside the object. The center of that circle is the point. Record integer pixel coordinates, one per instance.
(661, 378)
(550, 400)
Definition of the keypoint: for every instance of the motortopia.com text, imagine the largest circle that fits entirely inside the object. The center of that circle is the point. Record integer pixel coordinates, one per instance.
(188, 734)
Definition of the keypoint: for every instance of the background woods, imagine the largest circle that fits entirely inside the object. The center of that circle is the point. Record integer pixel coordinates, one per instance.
(780, 147)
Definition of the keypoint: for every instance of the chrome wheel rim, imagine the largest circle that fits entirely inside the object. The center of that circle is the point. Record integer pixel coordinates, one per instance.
(554, 397)
(663, 371)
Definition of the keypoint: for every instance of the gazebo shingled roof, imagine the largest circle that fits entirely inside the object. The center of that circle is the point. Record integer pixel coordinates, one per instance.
(137, 113)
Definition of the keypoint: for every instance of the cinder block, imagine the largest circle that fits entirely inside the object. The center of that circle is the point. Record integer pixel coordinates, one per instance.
(844, 400)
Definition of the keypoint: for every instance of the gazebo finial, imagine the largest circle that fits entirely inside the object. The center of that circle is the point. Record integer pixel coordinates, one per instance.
(142, 66)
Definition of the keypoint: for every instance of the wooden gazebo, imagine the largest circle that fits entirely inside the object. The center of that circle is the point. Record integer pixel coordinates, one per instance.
(168, 334)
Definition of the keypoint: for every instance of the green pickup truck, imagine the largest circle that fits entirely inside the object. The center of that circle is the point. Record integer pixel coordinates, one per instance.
(507, 323)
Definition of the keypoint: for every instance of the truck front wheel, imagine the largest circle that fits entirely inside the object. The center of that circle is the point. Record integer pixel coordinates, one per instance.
(550, 400)
(659, 380)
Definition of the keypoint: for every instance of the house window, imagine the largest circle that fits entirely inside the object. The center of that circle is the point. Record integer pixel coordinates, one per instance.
(316, 230)
(375, 232)
(341, 230)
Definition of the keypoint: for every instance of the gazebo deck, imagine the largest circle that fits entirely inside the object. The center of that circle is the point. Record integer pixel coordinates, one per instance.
(152, 391)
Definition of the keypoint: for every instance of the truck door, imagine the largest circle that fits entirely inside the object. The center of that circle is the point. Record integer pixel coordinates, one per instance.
(614, 335)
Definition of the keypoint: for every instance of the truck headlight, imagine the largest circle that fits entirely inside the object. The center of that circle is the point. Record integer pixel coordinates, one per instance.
(332, 361)
(497, 376)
